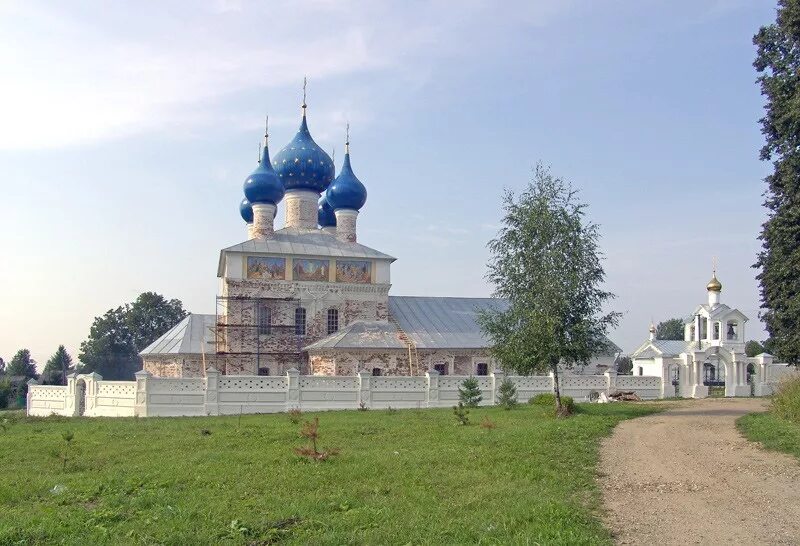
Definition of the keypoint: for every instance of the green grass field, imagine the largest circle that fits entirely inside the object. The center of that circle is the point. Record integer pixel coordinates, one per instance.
(403, 477)
(772, 432)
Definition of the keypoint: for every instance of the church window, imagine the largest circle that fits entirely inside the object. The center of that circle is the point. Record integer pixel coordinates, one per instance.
(300, 321)
(691, 332)
(440, 368)
(641, 370)
(333, 321)
(262, 370)
(264, 317)
(731, 333)
(376, 372)
(483, 368)
(716, 330)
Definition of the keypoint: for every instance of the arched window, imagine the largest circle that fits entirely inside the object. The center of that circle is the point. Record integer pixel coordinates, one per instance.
(641, 370)
(333, 321)
(716, 330)
(440, 368)
(482, 368)
(376, 372)
(264, 318)
(300, 321)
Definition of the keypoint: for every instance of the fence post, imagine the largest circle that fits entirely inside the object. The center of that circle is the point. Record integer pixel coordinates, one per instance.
(140, 403)
(365, 388)
(292, 389)
(212, 391)
(432, 394)
(497, 379)
(552, 382)
(71, 402)
(91, 381)
(611, 381)
(31, 383)
(762, 387)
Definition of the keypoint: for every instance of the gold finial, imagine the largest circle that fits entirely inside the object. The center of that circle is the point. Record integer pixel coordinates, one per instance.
(347, 140)
(305, 83)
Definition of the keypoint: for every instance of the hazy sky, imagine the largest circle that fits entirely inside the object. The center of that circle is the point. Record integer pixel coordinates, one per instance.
(127, 128)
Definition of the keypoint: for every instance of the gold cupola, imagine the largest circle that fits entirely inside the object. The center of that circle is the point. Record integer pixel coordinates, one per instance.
(714, 285)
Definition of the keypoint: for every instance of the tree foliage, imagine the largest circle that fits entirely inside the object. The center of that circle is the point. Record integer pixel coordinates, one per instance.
(546, 262)
(753, 348)
(670, 329)
(507, 394)
(56, 369)
(778, 64)
(22, 365)
(115, 339)
(624, 364)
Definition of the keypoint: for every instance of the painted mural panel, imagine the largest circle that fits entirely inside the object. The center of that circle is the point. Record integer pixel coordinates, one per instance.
(353, 271)
(266, 267)
(304, 269)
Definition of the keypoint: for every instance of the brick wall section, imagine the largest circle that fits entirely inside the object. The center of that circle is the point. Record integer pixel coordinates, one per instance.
(394, 361)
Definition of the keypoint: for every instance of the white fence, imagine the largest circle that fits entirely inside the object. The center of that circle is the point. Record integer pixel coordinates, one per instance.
(218, 394)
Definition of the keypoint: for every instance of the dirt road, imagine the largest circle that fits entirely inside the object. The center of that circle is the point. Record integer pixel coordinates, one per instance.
(686, 476)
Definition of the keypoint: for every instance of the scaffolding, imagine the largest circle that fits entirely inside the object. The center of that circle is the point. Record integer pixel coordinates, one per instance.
(241, 332)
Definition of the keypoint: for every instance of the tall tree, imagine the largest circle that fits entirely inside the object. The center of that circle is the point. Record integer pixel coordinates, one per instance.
(22, 365)
(624, 364)
(778, 64)
(670, 329)
(753, 348)
(115, 339)
(2, 366)
(56, 368)
(546, 262)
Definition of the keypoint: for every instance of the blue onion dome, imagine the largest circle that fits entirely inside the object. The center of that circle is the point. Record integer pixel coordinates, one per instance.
(302, 164)
(325, 215)
(246, 210)
(347, 191)
(263, 185)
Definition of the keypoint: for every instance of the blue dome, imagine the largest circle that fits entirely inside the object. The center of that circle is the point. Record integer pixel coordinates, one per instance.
(325, 215)
(302, 164)
(263, 185)
(246, 210)
(347, 191)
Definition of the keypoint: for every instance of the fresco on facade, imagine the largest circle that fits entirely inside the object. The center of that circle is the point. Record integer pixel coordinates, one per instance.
(310, 270)
(353, 271)
(265, 267)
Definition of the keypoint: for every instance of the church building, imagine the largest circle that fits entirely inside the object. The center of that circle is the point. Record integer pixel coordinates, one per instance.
(309, 296)
(711, 352)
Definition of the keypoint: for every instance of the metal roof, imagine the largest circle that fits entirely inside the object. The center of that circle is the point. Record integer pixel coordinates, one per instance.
(361, 335)
(193, 335)
(302, 242)
(663, 347)
(443, 323)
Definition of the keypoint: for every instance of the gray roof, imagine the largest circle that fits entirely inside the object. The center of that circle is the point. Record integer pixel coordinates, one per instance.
(361, 335)
(663, 347)
(443, 323)
(303, 242)
(192, 335)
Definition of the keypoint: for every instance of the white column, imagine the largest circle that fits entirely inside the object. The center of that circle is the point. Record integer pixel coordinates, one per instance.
(301, 209)
(432, 393)
(140, 402)
(212, 391)
(497, 379)
(346, 225)
(365, 388)
(263, 220)
(292, 389)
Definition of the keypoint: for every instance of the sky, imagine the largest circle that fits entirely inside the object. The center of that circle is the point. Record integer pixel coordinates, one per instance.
(127, 129)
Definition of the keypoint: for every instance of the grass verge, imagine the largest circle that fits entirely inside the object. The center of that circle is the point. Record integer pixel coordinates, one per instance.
(401, 477)
(772, 432)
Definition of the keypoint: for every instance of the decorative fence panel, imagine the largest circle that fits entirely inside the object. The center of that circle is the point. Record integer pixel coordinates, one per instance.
(218, 394)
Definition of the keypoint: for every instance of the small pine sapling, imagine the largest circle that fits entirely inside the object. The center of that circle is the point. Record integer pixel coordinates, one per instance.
(294, 415)
(64, 454)
(310, 430)
(507, 394)
(461, 413)
(488, 424)
(469, 393)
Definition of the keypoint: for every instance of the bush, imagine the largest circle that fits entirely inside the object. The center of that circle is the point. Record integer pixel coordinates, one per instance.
(549, 399)
(461, 413)
(469, 393)
(786, 401)
(543, 399)
(507, 394)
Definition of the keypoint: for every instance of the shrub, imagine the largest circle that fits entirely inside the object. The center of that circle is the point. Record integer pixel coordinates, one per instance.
(507, 394)
(294, 415)
(543, 399)
(469, 393)
(5, 393)
(461, 413)
(786, 401)
(549, 399)
(310, 430)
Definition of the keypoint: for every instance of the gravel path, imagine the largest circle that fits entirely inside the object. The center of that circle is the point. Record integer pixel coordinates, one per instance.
(686, 476)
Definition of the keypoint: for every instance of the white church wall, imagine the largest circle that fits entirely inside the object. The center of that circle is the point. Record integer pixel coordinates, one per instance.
(218, 394)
